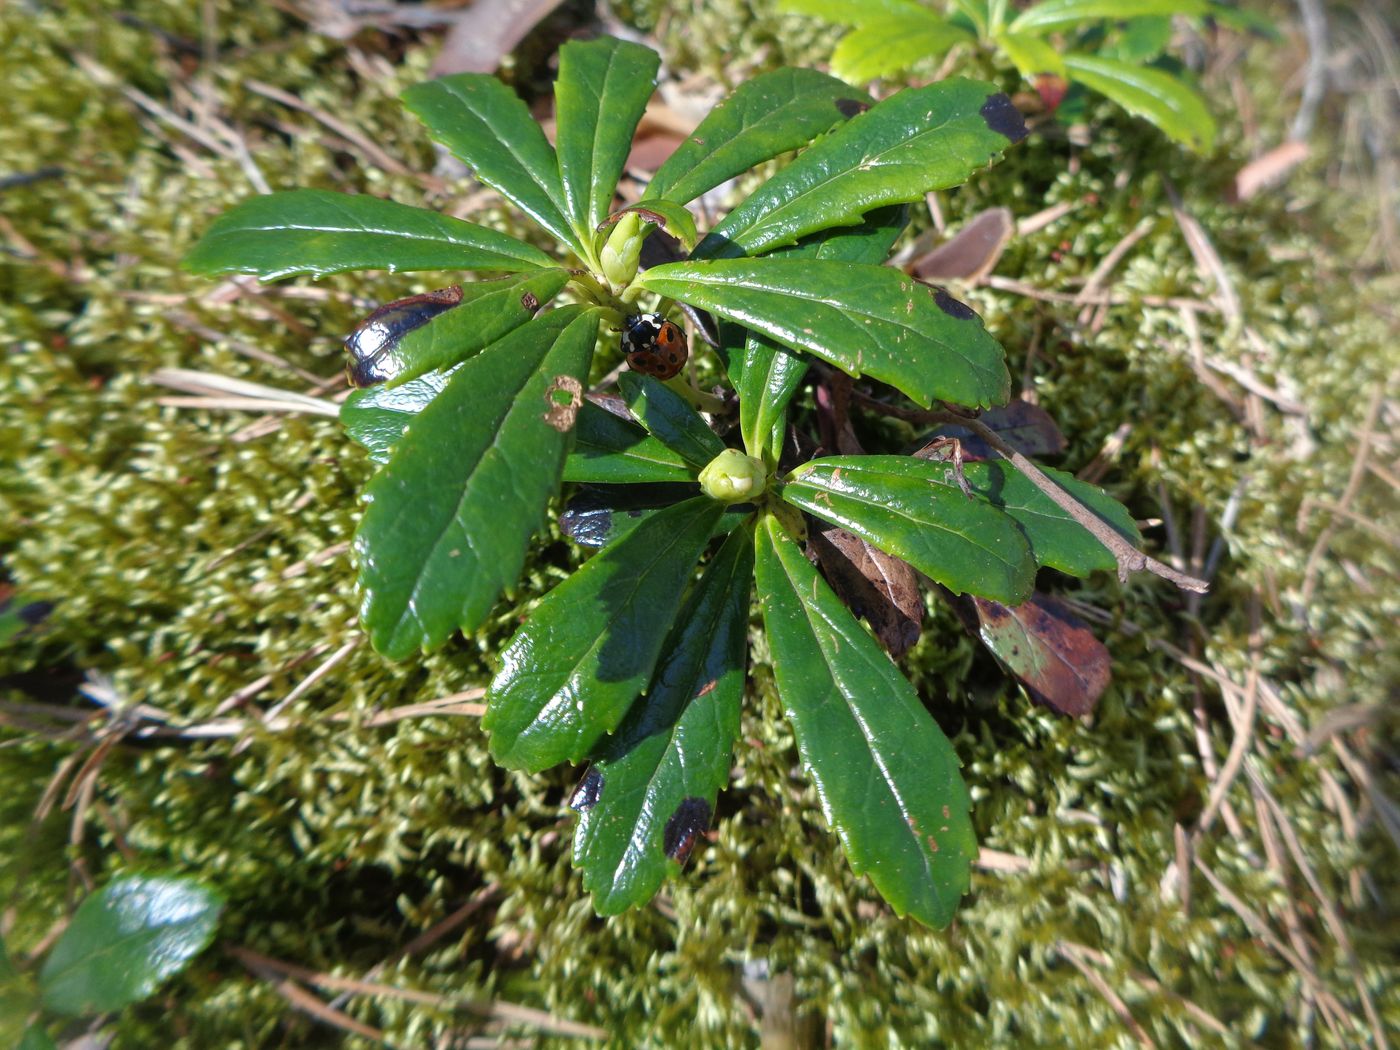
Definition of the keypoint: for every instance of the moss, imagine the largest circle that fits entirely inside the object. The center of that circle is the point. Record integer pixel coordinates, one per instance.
(185, 561)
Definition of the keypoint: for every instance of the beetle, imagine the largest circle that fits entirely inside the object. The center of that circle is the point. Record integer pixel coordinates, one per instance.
(654, 345)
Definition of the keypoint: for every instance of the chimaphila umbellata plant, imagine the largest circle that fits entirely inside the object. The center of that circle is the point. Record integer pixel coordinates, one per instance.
(476, 404)
(1116, 48)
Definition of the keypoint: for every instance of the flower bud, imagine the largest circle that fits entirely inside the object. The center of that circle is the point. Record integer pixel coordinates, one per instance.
(732, 477)
(622, 250)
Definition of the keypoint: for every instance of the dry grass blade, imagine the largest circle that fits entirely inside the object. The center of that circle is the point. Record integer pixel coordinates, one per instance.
(1098, 958)
(346, 131)
(1239, 748)
(303, 1000)
(1207, 258)
(541, 1020)
(211, 386)
(1069, 951)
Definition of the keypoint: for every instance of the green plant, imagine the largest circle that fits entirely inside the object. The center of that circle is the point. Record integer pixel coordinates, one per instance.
(477, 413)
(124, 940)
(1114, 47)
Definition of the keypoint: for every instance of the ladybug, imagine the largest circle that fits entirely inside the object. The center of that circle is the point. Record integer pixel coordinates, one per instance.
(654, 345)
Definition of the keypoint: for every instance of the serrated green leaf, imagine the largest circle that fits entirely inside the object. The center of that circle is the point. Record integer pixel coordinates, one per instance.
(669, 418)
(887, 777)
(1050, 15)
(675, 219)
(854, 12)
(911, 509)
(601, 93)
(769, 115)
(869, 242)
(576, 666)
(611, 451)
(375, 418)
(1159, 98)
(1030, 55)
(655, 782)
(883, 46)
(319, 232)
(921, 139)
(451, 514)
(382, 351)
(1056, 539)
(125, 940)
(486, 126)
(865, 320)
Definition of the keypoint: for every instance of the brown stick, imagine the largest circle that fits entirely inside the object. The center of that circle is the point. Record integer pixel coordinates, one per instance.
(1128, 557)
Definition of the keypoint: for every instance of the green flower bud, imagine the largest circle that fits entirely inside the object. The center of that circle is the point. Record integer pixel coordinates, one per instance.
(732, 477)
(622, 250)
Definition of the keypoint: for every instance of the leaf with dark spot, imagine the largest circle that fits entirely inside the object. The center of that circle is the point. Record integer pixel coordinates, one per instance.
(954, 308)
(1048, 650)
(589, 790)
(873, 584)
(1003, 117)
(690, 820)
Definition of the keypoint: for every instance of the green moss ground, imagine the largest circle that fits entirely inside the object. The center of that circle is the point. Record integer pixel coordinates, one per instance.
(164, 541)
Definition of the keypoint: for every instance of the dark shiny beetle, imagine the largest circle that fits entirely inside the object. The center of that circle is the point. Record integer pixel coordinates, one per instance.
(373, 342)
(654, 345)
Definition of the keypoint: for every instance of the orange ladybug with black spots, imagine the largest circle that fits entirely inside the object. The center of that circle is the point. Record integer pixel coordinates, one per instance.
(654, 345)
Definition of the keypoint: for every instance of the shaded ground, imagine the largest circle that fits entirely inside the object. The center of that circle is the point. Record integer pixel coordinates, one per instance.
(1231, 376)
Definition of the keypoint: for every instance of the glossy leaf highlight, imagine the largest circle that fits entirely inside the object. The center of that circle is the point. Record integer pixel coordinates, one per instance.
(125, 940)
(865, 320)
(318, 232)
(773, 113)
(486, 126)
(907, 508)
(918, 140)
(887, 777)
(577, 665)
(451, 514)
(674, 747)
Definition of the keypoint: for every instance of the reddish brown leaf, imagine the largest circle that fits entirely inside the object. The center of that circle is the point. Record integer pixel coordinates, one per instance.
(1051, 90)
(972, 253)
(487, 31)
(873, 584)
(1049, 651)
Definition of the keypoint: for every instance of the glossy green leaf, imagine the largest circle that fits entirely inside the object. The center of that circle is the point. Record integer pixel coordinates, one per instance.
(771, 375)
(854, 12)
(1050, 15)
(1140, 39)
(887, 777)
(488, 310)
(576, 666)
(973, 11)
(597, 517)
(865, 320)
(670, 418)
(319, 232)
(451, 514)
(1031, 56)
(1159, 98)
(486, 126)
(1056, 539)
(921, 139)
(652, 790)
(883, 46)
(608, 450)
(911, 508)
(675, 219)
(376, 418)
(868, 242)
(771, 114)
(600, 96)
(125, 940)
